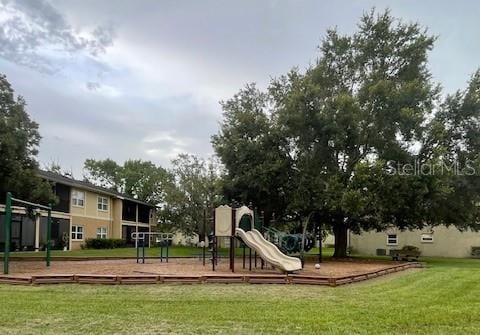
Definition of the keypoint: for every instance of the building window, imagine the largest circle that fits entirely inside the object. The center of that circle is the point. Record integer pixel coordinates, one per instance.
(77, 232)
(426, 238)
(102, 232)
(102, 203)
(392, 239)
(78, 198)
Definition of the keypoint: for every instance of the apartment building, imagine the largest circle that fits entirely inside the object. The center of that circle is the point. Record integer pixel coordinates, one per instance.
(439, 241)
(83, 211)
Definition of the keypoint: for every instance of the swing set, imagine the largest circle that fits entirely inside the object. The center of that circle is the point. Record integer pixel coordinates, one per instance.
(8, 228)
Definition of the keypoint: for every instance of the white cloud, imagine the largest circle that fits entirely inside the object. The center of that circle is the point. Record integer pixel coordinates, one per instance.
(36, 35)
(164, 145)
(102, 89)
(164, 137)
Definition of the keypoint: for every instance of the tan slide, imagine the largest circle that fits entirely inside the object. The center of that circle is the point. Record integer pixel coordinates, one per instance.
(268, 251)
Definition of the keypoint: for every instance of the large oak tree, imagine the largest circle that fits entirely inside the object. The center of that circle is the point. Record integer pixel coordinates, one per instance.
(337, 142)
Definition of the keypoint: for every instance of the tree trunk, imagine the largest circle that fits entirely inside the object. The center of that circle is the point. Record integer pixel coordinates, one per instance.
(340, 232)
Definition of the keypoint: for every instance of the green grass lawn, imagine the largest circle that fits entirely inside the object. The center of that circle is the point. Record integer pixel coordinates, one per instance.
(177, 251)
(119, 252)
(443, 298)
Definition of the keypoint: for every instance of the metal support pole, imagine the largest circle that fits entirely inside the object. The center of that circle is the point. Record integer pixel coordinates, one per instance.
(49, 234)
(232, 241)
(204, 234)
(214, 242)
(37, 232)
(216, 251)
(8, 224)
(204, 251)
(244, 256)
(138, 253)
(167, 251)
(232, 253)
(140, 249)
(250, 259)
(161, 252)
(320, 245)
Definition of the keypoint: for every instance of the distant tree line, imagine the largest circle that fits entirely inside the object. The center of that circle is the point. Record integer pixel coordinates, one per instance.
(183, 194)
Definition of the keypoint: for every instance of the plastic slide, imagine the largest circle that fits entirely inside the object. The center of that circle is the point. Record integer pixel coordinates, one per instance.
(269, 251)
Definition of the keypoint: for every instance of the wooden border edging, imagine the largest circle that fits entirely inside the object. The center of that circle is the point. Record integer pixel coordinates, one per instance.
(226, 278)
(138, 279)
(181, 279)
(53, 279)
(14, 280)
(223, 278)
(96, 279)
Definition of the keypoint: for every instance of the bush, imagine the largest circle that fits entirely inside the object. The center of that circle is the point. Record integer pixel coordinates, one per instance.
(119, 243)
(104, 243)
(411, 248)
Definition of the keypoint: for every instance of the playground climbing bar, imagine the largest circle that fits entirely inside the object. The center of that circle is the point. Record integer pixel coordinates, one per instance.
(8, 227)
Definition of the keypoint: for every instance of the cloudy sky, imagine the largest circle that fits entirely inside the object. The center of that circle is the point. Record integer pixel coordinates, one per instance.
(142, 79)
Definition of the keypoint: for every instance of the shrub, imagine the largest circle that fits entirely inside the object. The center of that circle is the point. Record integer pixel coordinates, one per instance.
(476, 252)
(104, 243)
(411, 248)
(118, 243)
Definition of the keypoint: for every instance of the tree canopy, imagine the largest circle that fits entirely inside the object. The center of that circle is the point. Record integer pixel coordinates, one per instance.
(254, 153)
(19, 140)
(454, 141)
(193, 194)
(182, 193)
(142, 180)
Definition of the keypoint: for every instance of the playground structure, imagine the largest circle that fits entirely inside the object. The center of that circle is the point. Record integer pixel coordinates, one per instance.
(239, 223)
(8, 228)
(289, 243)
(233, 224)
(161, 239)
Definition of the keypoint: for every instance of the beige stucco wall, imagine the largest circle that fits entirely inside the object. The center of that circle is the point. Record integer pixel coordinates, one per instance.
(92, 218)
(90, 208)
(116, 218)
(90, 226)
(447, 242)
